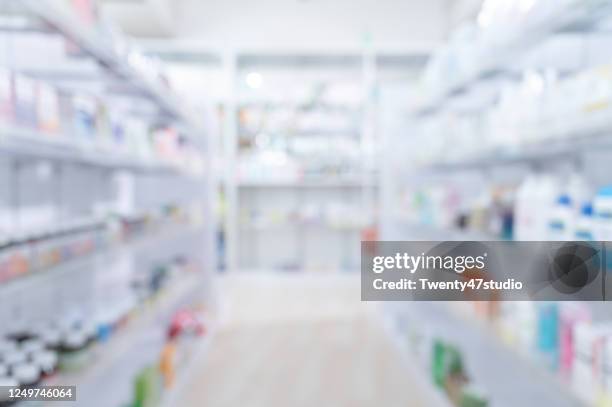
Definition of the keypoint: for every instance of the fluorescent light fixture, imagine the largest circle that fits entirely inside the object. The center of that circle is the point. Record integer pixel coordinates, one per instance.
(254, 80)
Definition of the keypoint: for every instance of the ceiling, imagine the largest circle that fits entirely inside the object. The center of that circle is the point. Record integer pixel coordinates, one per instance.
(296, 25)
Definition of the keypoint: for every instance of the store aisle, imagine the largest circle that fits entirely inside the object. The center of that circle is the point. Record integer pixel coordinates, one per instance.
(299, 340)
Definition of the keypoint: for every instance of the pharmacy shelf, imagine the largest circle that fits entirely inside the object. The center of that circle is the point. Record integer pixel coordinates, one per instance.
(198, 351)
(288, 225)
(58, 15)
(31, 144)
(529, 360)
(117, 362)
(402, 229)
(31, 280)
(507, 379)
(568, 149)
(306, 184)
(498, 58)
(435, 397)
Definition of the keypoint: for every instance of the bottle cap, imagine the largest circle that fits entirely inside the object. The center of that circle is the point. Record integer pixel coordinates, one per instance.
(564, 200)
(26, 373)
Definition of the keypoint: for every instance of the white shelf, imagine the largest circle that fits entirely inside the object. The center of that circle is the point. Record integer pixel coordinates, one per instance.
(528, 360)
(497, 58)
(507, 379)
(305, 184)
(405, 229)
(58, 15)
(78, 264)
(137, 345)
(435, 396)
(33, 144)
(288, 225)
(535, 153)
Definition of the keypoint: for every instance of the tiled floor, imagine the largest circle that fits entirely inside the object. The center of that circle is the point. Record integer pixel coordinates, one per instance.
(298, 340)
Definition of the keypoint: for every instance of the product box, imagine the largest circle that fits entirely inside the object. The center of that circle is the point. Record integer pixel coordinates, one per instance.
(25, 101)
(48, 109)
(7, 103)
(84, 110)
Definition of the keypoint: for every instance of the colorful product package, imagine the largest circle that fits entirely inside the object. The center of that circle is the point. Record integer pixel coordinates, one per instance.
(548, 332)
(48, 109)
(570, 314)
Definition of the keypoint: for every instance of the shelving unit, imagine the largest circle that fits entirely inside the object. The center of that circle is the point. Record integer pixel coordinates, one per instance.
(36, 145)
(138, 344)
(473, 177)
(491, 364)
(66, 177)
(497, 59)
(570, 148)
(119, 59)
(304, 238)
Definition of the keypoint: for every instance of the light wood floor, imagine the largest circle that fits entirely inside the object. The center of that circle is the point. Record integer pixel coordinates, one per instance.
(292, 340)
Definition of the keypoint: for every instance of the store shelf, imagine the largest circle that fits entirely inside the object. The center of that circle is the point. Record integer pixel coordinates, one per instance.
(499, 58)
(406, 229)
(507, 379)
(568, 149)
(119, 61)
(327, 183)
(31, 144)
(40, 278)
(137, 345)
(435, 397)
(530, 361)
(281, 226)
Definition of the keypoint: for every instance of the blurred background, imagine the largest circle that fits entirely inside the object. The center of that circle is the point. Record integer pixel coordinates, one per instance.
(184, 186)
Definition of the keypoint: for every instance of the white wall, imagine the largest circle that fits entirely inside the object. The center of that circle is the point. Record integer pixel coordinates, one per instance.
(293, 25)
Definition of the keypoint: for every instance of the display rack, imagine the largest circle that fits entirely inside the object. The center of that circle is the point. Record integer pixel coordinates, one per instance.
(35, 145)
(82, 177)
(315, 179)
(492, 365)
(570, 148)
(497, 59)
(507, 374)
(121, 61)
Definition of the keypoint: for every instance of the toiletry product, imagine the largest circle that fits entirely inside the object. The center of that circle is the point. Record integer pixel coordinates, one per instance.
(561, 226)
(548, 332)
(584, 224)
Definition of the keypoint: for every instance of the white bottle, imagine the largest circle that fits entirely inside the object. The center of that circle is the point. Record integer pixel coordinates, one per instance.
(523, 209)
(584, 224)
(561, 224)
(579, 191)
(545, 197)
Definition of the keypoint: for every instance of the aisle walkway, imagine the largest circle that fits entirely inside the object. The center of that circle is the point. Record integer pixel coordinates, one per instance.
(292, 340)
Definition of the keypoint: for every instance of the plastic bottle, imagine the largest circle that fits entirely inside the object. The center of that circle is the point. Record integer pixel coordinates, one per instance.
(584, 224)
(535, 199)
(545, 198)
(548, 332)
(523, 211)
(561, 225)
(579, 190)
